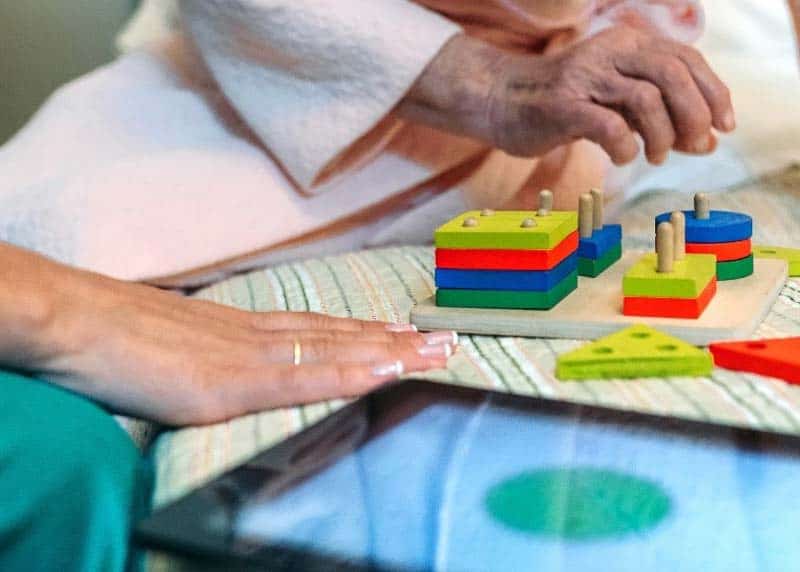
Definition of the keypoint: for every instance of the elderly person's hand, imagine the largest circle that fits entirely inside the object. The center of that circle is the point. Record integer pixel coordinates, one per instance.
(603, 89)
(160, 356)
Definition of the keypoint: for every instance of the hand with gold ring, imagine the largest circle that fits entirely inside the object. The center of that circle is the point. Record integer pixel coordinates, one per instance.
(160, 356)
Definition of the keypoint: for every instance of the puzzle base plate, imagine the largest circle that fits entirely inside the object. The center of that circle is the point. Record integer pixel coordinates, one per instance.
(595, 310)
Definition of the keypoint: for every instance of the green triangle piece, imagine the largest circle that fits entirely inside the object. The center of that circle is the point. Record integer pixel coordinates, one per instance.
(637, 351)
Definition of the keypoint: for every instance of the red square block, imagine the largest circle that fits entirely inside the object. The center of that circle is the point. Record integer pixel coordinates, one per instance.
(506, 259)
(689, 308)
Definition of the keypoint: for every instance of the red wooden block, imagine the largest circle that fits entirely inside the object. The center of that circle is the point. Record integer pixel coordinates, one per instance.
(776, 358)
(493, 259)
(691, 308)
(724, 251)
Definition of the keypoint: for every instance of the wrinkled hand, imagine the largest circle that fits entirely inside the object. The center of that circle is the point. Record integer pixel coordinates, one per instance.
(604, 89)
(179, 361)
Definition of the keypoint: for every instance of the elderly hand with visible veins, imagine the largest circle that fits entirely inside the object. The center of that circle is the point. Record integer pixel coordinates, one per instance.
(606, 88)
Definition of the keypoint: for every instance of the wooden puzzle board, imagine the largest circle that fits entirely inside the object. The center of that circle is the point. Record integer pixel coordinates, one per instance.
(595, 309)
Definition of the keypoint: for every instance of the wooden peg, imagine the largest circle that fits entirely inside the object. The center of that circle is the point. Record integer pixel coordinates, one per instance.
(678, 221)
(470, 222)
(586, 215)
(487, 212)
(597, 214)
(665, 247)
(545, 202)
(528, 223)
(702, 207)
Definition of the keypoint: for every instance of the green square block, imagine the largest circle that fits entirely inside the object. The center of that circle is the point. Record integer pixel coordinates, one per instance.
(507, 299)
(637, 351)
(504, 230)
(595, 267)
(688, 279)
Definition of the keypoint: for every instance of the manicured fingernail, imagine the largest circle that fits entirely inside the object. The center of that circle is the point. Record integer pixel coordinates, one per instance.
(437, 338)
(401, 328)
(395, 369)
(440, 351)
(729, 121)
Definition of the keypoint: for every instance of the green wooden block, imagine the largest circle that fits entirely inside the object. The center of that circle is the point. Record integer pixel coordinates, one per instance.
(637, 351)
(506, 230)
(735, 269)
(790, 255)
(688, 279)
(507, 299)
(594, 268)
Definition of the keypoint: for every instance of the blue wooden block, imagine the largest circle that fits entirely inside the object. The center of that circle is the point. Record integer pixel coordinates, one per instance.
(512, 280)
(722, 226)
(601, 242)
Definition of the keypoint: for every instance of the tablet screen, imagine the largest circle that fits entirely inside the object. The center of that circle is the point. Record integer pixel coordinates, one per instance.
(486, 484)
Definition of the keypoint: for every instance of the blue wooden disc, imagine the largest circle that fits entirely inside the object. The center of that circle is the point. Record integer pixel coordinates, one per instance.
(722, 226)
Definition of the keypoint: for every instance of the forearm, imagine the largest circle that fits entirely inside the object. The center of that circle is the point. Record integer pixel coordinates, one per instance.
(28, 302)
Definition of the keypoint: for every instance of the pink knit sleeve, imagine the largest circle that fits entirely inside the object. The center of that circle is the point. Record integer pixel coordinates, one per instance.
(682, 20)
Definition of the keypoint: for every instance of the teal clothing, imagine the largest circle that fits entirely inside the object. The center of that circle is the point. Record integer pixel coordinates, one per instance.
(71, 481)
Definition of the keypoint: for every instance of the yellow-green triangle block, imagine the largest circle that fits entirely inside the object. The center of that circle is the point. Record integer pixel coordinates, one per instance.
(637, 351)
(790, 255)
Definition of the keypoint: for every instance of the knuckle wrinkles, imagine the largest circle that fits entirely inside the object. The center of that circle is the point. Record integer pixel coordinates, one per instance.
(647, 97)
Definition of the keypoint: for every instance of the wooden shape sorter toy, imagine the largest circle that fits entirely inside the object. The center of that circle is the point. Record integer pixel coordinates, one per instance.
(670, 283)
(595, 309)
(636, 351)
(550, 236)
(775, 358)
(733, 310)
(726, 235)
(600, 244)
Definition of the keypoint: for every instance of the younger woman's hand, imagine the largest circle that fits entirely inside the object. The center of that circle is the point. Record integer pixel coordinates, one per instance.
(160, 356)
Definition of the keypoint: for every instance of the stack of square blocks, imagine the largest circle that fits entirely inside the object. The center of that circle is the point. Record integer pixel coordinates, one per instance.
(507, 259)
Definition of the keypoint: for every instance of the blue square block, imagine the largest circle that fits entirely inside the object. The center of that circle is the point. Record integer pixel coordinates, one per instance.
(511, 280)
(601, 242)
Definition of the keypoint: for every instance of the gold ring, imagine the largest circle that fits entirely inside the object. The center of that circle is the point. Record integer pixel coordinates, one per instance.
(298, 353)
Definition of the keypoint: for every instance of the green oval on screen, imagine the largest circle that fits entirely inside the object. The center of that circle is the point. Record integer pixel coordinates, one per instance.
(578, 503)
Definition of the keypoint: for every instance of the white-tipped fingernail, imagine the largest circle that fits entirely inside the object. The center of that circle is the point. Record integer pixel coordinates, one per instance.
(401, 328)
(395, 369)
(439, 351)
(438, 338)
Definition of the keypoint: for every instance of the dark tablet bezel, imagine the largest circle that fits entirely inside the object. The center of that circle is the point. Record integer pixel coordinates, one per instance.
(178, 528)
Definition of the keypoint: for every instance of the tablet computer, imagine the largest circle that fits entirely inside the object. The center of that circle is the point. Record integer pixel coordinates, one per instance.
(423, 476)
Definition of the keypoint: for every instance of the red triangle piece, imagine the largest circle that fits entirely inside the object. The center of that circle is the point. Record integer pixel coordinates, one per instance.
(775, 358)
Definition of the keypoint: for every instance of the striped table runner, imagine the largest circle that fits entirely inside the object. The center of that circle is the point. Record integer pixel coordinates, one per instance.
(384, 284)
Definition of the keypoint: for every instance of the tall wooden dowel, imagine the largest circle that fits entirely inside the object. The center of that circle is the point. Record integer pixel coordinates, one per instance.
(702, 207)
(665, 247)
(586, 215)
(597, 215)
(545, 202)
(678, 221)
